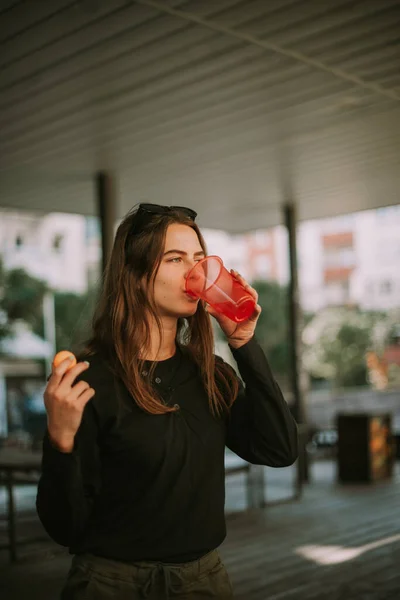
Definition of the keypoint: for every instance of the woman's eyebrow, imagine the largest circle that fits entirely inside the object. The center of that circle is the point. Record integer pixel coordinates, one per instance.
(201, 252)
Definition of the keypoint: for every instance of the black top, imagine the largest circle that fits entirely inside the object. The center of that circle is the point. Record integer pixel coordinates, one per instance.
(152, 487)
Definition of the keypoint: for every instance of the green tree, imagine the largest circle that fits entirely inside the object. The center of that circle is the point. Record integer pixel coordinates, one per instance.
(272, 326)
(4, 325)
(347, 354)
(336, 342)
(21, 298)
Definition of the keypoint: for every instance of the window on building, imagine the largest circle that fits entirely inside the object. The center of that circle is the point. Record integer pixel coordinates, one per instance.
(263, 266)
(337, 293)
(347, 257)
(386, 250)
(369, 288)
(260, 238)
(58, 242)
(387, 213)
(92, 229)
(339, 257)
(386, 287)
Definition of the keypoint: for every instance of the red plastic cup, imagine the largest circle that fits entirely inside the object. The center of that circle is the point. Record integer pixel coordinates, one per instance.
(210, 281)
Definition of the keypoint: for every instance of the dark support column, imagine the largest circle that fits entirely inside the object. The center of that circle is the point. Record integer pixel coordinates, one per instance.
(12, 535)
(294, 341)
(293, 305)
(106, 201)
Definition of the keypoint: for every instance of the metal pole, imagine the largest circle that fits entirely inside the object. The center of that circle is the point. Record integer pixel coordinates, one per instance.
(3, 406)
(12, 534)
(49, 321)
(294, 340)
(105, 193)
(290, 222)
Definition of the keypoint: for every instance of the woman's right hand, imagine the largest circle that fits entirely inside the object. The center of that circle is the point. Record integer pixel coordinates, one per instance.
(65, 403)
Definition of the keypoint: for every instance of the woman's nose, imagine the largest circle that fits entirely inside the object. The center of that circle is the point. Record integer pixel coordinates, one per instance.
(189, 266)
(194, 278)
(188, 274)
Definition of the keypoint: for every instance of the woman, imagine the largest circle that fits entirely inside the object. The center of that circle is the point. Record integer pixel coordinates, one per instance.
(133, 457)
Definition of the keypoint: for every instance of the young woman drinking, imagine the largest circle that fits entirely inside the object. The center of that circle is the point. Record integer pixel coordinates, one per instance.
(133, 457)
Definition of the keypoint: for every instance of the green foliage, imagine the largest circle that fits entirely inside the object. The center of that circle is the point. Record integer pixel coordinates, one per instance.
(4, 325)
(272, 326)
(336, 343)
(347, 354)
(335, 340)
(24, 296)
(21, 297)
(73, 316)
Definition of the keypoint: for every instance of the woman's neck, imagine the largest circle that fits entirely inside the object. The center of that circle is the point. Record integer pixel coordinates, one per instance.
(167, 348)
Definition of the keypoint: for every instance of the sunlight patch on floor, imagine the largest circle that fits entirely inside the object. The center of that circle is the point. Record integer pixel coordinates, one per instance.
(333, 555)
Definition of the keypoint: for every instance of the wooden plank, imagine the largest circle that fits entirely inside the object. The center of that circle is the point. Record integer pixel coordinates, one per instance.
(262, 548)
(263, 551)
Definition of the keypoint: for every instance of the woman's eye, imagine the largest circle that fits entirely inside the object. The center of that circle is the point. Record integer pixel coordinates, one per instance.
(177, 259)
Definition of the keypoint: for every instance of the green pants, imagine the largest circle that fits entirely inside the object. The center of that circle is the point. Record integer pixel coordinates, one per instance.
(94, 578)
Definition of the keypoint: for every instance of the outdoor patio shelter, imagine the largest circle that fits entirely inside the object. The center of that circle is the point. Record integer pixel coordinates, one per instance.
(248, 111)
(232, 107)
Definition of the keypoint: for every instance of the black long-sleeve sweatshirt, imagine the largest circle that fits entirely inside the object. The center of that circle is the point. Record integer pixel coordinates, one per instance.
(152, 487)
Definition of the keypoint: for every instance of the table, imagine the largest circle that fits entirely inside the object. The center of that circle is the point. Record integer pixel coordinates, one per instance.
(16, 467)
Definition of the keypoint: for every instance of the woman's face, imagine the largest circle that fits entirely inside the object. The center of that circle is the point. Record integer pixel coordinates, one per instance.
(181, 252)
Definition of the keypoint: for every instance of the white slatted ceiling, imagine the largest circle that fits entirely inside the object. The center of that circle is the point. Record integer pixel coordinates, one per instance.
(187, 114)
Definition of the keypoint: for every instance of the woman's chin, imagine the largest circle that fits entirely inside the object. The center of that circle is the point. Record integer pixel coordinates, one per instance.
(190, 308)
(182, 308)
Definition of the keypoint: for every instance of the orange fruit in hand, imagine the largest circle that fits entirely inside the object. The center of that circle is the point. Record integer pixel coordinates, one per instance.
(62, 355)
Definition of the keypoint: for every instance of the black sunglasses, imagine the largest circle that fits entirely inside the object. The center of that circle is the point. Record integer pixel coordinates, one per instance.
(146, 211)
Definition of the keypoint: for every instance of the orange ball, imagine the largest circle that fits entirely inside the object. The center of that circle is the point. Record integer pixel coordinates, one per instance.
(62, 355)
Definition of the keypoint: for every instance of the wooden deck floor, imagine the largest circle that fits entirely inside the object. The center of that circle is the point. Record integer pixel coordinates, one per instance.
(336, 543)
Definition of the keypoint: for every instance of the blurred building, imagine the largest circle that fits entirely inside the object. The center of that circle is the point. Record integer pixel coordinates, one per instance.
(231, 248)
(260, 254)
(351, 260)
(348, 260)
(56, 248)
(376, 283)
(327, 261)
(64, 251)
(93, 251)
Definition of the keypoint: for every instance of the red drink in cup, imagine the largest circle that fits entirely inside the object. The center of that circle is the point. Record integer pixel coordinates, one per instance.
(210, 281)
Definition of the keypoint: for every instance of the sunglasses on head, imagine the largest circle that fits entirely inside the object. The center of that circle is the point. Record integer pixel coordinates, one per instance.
(146, 211)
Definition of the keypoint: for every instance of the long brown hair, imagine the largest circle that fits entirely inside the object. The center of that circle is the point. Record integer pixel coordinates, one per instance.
(121, 328)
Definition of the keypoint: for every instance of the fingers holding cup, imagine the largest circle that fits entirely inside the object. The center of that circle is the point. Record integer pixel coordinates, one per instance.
(246, 286)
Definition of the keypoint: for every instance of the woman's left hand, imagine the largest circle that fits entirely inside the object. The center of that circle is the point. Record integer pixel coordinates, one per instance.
(238, 334)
